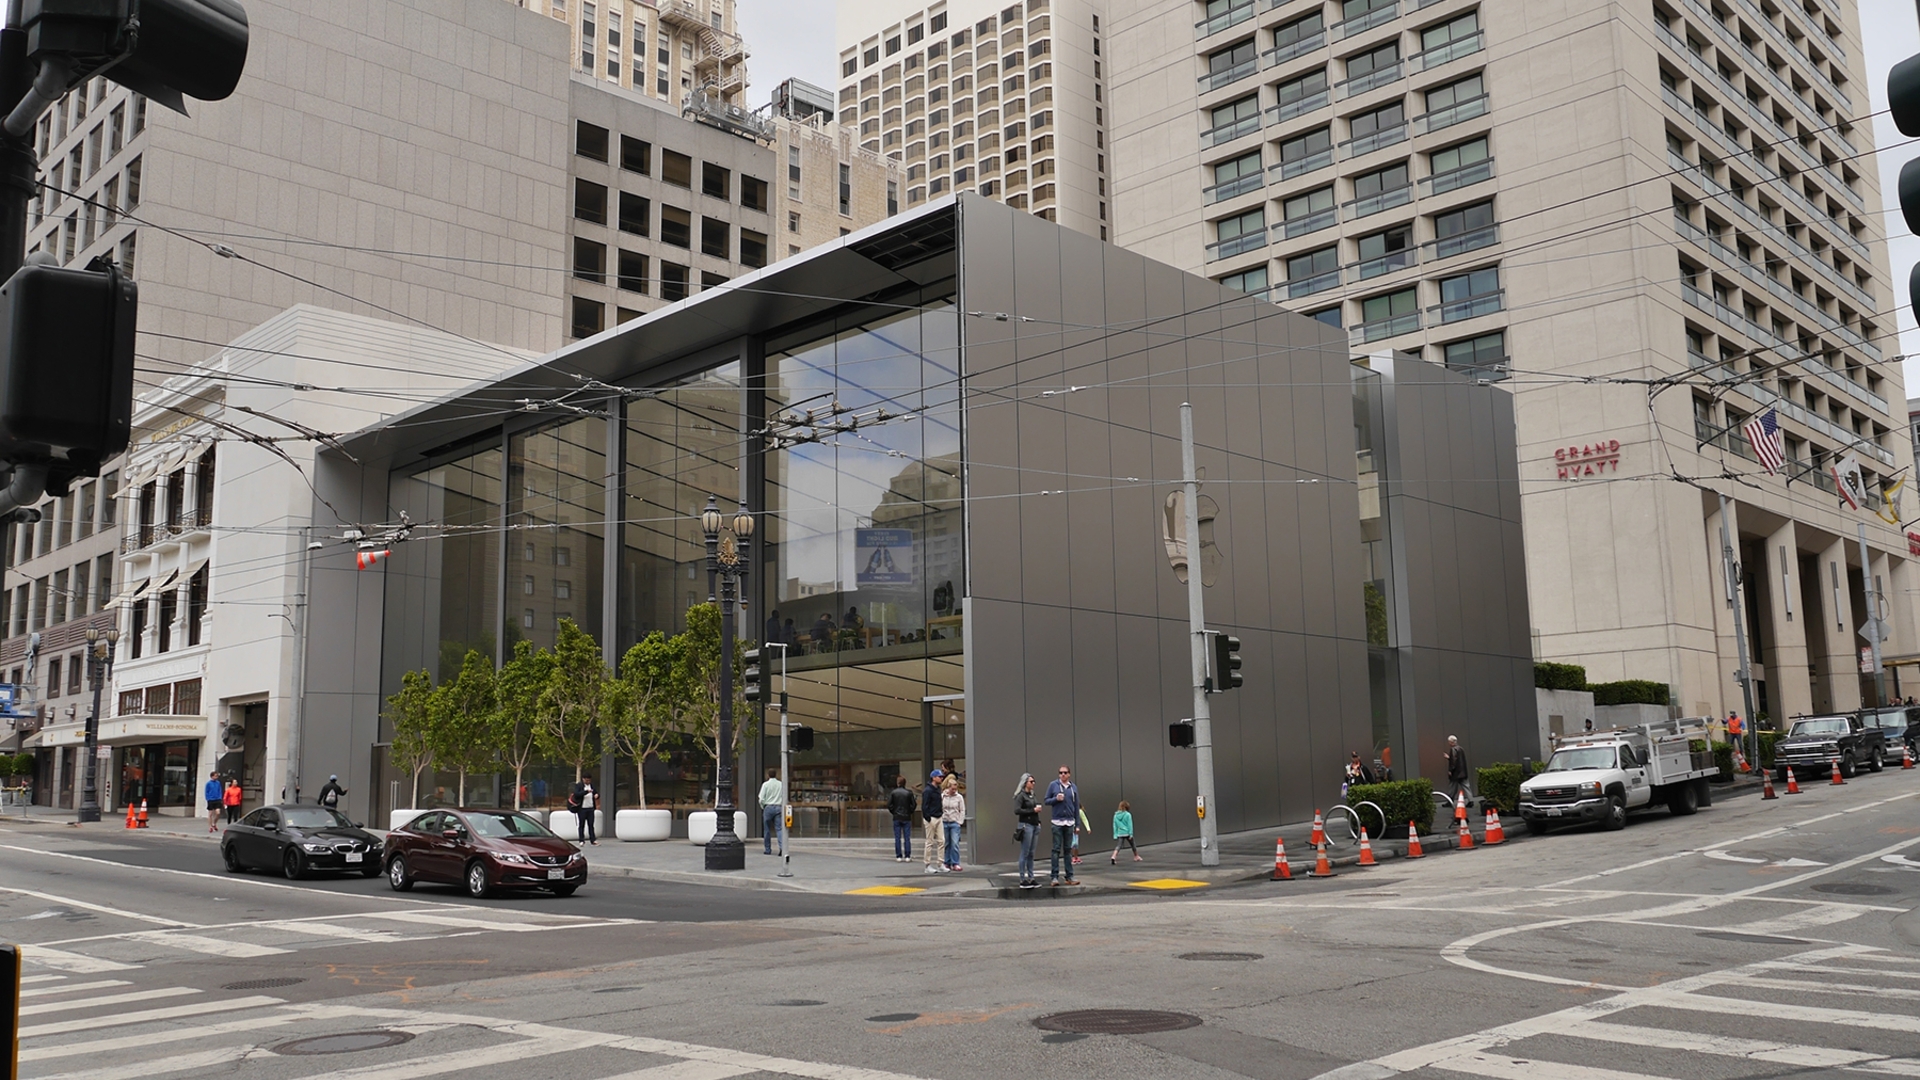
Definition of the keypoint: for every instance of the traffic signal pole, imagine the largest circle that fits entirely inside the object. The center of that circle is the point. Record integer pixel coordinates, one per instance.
(18, 177)
(1197, 625)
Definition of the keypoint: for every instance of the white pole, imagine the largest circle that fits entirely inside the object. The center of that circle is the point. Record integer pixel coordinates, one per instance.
(1197, 619)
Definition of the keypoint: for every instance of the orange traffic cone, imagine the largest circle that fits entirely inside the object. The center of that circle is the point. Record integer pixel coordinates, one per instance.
(1906, 757)
(1740, 759)
(1460, 811)
(1766, 785)
(1793, 786)
(1495, 834)
(143, 813)
(1321, 867)
(1366, 849)
(1413, 842)
(1837, 778)
(1463, 840)
(1281, 871)
(130, 823)
(1319, 831)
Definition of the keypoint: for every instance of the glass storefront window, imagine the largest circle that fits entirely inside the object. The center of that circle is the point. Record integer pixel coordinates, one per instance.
(556, 531)
(443, 591)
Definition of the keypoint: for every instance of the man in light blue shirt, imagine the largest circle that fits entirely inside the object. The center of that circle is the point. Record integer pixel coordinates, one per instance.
(772, 802)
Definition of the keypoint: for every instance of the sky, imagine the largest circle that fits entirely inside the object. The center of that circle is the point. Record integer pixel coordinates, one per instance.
(788, 39)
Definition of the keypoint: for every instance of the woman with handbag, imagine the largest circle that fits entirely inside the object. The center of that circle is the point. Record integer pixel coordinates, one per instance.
(1026, 828)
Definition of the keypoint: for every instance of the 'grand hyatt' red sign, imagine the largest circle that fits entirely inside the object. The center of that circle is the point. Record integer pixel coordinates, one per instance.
(1593, 459)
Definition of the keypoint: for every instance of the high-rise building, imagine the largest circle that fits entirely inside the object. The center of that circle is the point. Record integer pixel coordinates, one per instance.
(1659, 219)
(665, 49)
(1003, 99)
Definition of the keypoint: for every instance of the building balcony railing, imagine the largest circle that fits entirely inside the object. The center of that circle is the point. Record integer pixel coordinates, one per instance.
(1496, 369)
(1451, 51)
(1238, 245)
(1226, 133)
(1295, 49)
(1372, 80)
(1457, 113)
(1454, 179)
(1378, 16)
(1381, 329)
(1471, 307)
(1231, 17)
(1368, 205)
(1316, 284)
(1308, 223)
(1302, 166)
(1447, 247)
(1384, 264)
(1234, 188)
(1374, 140)
(140, 537)
(1287, 110)
(1216, 79)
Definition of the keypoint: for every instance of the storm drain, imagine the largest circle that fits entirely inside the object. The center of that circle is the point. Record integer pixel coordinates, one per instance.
(347, 1042)
(1853, 888)
(1116, 1021)
(262, 984)
(1221, 956)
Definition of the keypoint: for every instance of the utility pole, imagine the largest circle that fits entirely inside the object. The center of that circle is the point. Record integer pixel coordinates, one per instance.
(786, 760)
(1730, 568)
(1874, 617)
(1197, 625)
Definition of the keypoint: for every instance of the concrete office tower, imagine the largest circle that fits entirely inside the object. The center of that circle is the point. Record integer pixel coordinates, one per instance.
(664, 49)
(830, 184)
(1670, 190)
(1006, 100)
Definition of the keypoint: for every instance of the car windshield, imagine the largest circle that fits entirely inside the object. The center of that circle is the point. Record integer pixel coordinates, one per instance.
(313, 817)
(1819, 727)
(1585, 757)
(1891, 719)
(506, 824)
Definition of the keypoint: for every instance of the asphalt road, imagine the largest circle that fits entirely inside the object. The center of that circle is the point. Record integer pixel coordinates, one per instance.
(1755, 939)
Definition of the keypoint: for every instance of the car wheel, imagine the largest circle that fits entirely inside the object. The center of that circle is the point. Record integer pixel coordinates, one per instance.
(397, 875)
(232, 859)
(1683, 801)
(564, 891)
(477, 886)
(293, 865)
(1847, 767)
(1616, 818)
(1879, 761)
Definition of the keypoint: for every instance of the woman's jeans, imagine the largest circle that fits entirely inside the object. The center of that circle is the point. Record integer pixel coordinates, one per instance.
(952, 831)
(1028, 834)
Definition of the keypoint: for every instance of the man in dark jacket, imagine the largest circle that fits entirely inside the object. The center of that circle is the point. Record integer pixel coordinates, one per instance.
(331, 793)
(1457, 768)
(900, 804)
(930, 819)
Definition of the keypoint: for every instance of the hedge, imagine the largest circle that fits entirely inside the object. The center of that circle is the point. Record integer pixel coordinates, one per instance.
(1723, 758)
(1559, 676)
(1629, 692)
(1402, 800)
(1499, 783)
(1766, 748)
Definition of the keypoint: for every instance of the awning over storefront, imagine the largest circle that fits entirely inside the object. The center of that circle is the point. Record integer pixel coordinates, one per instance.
(132, 593)
(123, 731)
(193, 568)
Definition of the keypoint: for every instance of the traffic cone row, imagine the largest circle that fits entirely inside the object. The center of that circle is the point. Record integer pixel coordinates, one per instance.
(1495, 834)
(1281, 871)
(1837, 778)
(1766, 785)
(1793, 785)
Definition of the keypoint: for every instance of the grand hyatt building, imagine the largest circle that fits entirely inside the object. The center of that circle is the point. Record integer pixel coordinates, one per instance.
(957, 430)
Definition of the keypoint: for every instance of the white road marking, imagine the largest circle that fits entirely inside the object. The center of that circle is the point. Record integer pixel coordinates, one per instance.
(1811, 986)
(1477, 1063)
(207, 945)
(1723, 856)
(1722, 1045)
(449, 922)
(29, 980)
(70, 988)
(685, 1070)
(1899, 860)
(318, 928)
(67, 901)
(71, 961)
(200, 1008)
(139, 1070)
(1794, 863)
(1818, 915)
(106, 999)
(484, 1057)
(179, 1033)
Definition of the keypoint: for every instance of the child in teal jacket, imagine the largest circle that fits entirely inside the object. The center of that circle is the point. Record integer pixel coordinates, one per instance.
(1123, 832)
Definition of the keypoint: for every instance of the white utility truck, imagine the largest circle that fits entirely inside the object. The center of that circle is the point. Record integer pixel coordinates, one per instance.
(1602, 775)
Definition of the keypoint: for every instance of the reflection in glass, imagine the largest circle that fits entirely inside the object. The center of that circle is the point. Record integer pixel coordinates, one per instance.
(557, 525)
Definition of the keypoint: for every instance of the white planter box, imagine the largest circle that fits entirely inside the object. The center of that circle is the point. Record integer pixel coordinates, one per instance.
(643, 824)
(702, 824)
(537, 815)
(566, 824)
(399, 818)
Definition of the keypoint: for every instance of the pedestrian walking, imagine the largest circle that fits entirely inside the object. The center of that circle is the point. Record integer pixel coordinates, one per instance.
(230, 797)
(1457, 768)
(1063, 810)
(772, 803)
(953, 814)
(901, 806)
(1123, 832)
(930, 820)
(582, 800)
(330, 793)
(1026, 827)
(216, 796)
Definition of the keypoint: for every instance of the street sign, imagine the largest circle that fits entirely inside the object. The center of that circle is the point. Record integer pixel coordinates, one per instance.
(1867, 666)
(1876, 631)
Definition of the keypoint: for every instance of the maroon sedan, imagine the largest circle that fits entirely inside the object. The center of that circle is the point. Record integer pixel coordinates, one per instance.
(486, 850)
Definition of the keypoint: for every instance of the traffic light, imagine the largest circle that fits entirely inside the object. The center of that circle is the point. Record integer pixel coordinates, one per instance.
(750, 681)
(799, 739)
(168, 50)
(1180, 735)
(1903, 100)
(1226, 663)
(66, 368)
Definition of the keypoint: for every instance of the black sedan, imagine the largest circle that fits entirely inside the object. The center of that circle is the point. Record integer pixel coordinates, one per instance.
(297, 839)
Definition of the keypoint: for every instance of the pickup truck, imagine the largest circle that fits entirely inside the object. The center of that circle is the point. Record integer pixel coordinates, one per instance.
(1901, 723)
(1602, 775)
(1814, 744)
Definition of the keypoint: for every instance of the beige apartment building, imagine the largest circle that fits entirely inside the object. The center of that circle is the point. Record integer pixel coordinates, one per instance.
(1653, 217)
(1004, 99)
(662, 49)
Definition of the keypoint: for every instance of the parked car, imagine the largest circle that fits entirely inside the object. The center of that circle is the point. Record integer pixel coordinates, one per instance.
(297, 840)
(1813, 745)
(485, 850)
(1900, 723)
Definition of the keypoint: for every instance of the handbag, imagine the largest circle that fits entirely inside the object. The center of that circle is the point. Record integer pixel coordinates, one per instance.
(1019, 835)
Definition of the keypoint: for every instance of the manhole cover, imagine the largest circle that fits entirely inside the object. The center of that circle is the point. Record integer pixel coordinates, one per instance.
(1225, 956)
(1760, 939)
(1116, 1021)
(893, 1018)
(1853, 888)
(796, 1002)
(262, 984)
(344, 1043)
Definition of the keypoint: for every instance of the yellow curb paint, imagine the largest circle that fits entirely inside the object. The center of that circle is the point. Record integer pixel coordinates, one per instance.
(1168, 883)
(884, 890)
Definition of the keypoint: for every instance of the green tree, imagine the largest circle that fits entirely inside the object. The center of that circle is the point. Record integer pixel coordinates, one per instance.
(516, 715)
(574, 703)
(654, 693)
(461, 716)
(703, 664)
(411, 713)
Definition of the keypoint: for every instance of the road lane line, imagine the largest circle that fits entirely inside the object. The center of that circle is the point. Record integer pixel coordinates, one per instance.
(178, 1033)
(1811, 986)
(459, 1060)
(1500, 1067)
(68, 901)
(76, 963)
(106, 999)
(200, 1008)
(685, 1070)
(1722, 1045)
(317, 928)
(1818, 915)
(206, 945)
(29, 980)
(449, 922)
(70, 988)
(236, 879)
(139, 1070)
(1779, 1010)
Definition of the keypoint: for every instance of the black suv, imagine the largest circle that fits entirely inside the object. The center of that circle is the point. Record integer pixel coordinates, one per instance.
(1900, 723)
(1814, 744)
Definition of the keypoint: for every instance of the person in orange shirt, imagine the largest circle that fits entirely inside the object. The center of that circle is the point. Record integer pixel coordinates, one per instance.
(232, 799)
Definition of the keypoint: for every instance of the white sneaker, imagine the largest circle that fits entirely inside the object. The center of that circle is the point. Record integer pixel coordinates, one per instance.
(928, 870)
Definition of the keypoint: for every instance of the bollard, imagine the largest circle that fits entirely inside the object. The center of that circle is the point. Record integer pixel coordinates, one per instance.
(9, 1012)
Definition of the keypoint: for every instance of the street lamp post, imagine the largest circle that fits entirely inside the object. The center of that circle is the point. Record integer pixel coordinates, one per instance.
(728, 544)
(99, 662)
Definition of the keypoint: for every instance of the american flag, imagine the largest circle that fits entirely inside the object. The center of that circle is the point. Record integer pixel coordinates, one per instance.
(1763, 432)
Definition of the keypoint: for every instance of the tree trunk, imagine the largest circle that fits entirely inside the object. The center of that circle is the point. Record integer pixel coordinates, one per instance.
(417, 770)
(516, 787)
(461, 798)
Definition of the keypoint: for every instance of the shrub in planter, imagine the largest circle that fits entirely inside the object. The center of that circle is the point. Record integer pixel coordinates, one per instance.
(1767, 739)
(1559, 676)
(1499, 784)
(1629, 692)
(1402, 800)
(1723, 760)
